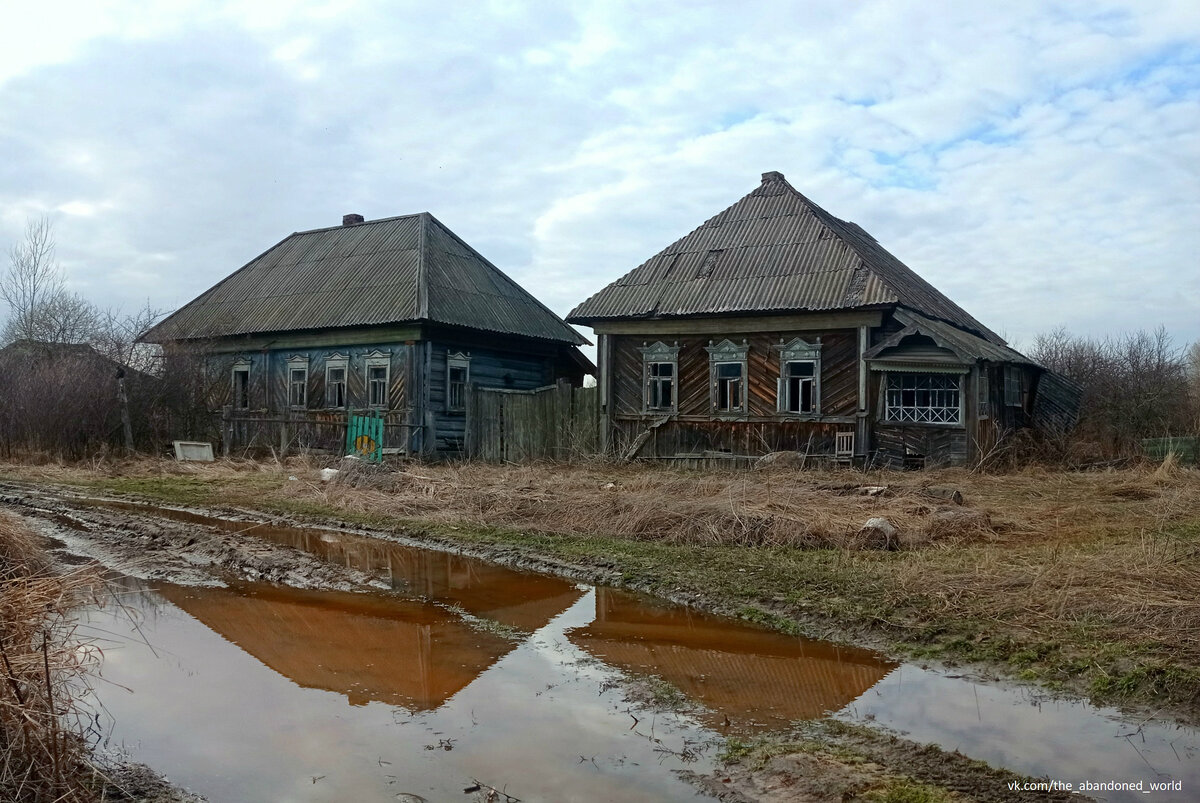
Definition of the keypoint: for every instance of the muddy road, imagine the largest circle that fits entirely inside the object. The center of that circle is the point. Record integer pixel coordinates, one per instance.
(325, 664)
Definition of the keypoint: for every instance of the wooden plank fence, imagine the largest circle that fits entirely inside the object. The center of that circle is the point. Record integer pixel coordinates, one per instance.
(555, 422)
(248, 432)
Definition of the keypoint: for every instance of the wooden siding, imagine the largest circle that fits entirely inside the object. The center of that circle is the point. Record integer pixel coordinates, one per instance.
(839, 374)
(276, 397)
(490, 368)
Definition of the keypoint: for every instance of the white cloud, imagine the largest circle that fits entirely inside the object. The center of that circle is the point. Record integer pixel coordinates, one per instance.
(1037, 164)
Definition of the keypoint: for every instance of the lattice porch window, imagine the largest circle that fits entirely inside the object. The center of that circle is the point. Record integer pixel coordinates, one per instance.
(924, 398)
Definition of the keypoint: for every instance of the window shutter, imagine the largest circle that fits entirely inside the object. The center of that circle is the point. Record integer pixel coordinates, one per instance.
(779, 395)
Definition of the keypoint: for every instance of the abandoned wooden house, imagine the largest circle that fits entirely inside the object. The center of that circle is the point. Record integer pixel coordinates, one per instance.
(397, 316)
(775, 326)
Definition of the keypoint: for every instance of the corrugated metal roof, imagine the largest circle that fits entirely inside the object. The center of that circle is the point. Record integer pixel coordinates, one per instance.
(772, 251)
(966, 346)
(394, 270)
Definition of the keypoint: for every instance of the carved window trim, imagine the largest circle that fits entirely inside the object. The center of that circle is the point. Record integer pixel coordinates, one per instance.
(378, 390)
(456, 388)
(335, 387)
(297, 387)
(728, 394)
(789, 393)
(660, 377)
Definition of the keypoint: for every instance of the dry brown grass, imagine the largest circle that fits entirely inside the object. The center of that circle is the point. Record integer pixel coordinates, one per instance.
(1092, 574)
(42, 668)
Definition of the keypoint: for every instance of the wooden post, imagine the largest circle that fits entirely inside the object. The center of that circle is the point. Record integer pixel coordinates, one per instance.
(471, 422)
(123, 400)
(564, 423)
(604, 352)
(283, 436)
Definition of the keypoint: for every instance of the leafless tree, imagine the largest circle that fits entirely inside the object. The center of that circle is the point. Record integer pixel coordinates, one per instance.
(39, 305)
(1134, 386)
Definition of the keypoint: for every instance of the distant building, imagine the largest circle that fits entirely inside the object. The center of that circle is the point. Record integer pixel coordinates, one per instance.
(397, 315)
(776, 326)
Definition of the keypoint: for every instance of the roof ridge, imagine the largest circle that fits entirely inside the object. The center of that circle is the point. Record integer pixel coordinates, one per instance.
(487, 262)
(391, 219)
(422, 289)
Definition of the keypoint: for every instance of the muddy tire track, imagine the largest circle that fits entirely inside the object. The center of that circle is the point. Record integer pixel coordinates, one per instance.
(163, 545)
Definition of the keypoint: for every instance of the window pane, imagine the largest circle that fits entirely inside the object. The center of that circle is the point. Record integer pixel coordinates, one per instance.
(923, 398)
(800, 368)
(729, 370)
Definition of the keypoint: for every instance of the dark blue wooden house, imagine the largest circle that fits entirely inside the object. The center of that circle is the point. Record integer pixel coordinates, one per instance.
(397, 315)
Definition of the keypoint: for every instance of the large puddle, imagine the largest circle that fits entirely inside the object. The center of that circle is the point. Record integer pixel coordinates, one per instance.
(473, 672)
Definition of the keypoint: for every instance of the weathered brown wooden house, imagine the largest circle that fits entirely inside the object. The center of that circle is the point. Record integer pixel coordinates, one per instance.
(397, 315)
(775, 326)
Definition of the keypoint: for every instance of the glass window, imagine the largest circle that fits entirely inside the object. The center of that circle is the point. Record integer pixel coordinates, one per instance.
(923, 398)
(458, 377)
(730, 387)
(660, 386)
(298, 387)
(799, 386)
(335, 386)
(377, 385)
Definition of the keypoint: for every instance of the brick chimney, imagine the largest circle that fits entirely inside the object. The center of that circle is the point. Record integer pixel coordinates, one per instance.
(352, 219)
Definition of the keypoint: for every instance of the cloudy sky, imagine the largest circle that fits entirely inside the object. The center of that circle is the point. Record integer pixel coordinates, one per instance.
(1038, 162)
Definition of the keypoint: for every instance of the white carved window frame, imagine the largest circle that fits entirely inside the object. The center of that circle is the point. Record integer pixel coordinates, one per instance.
(378, 359)
(798, 350)
(456, 392)
(659, 354)
(336, 362)
(297, 387)
(728, 353)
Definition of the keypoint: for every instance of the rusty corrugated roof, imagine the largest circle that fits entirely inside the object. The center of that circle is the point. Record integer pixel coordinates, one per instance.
(772, 251)
(401, 269)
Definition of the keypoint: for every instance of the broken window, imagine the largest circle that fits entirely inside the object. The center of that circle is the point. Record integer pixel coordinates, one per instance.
(335, 387)
(727, 369)
(458, 377)
(730, 387)
(241, 388)
(923, 398)
(660, 386)
(660, 369)
(377, 385)
(298, 387)
(1013, 391)
(799, 391)
(799, 386)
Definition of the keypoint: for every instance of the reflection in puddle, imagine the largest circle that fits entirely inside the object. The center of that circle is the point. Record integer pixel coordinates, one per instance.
(399, 652)
(748, 677)
(245, 694)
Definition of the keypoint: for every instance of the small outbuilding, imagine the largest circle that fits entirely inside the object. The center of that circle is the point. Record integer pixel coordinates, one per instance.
(396, 317)
(776, 326)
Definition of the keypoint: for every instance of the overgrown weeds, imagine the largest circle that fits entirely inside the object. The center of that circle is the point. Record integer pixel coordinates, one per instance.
(43, 667)
(1083, 579)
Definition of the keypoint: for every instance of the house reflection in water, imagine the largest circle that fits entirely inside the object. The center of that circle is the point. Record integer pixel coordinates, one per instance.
(400, 651)
(753, 677)
(521, 600)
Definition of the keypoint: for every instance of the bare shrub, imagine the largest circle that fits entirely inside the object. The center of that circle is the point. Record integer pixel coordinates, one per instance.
(44, 667)
(1135, 386)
